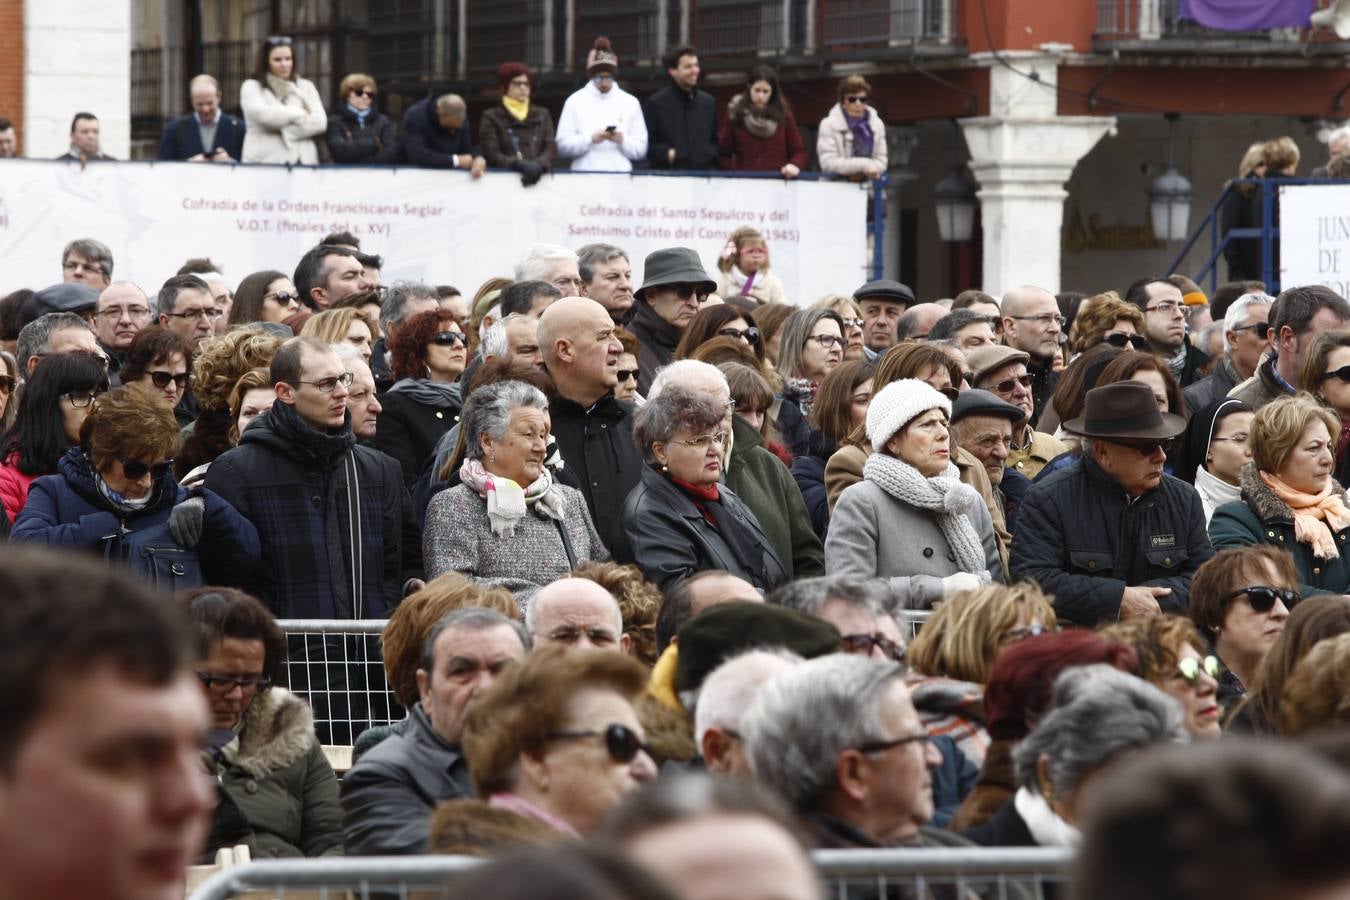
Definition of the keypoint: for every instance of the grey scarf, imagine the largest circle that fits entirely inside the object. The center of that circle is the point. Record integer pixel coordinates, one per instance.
(428, 392)
(758, 124)
(945, 495)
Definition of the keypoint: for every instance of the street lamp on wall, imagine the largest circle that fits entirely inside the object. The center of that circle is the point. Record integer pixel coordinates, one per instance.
(954, 201)
(1169, 196)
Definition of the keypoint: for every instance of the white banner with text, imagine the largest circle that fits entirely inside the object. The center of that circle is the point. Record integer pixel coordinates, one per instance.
(436, 226)
(1315, 236)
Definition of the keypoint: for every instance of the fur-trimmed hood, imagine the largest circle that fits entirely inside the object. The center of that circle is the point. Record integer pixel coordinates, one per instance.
(277, 729)
(1263, 500)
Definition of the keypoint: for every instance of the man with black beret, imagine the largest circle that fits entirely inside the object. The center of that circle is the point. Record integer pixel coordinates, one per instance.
(983, 424)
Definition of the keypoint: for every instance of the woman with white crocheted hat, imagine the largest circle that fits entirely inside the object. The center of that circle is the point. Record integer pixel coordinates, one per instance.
(911, 520)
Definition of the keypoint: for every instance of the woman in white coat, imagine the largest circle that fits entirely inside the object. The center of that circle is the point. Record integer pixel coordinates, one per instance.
(283, 113)
(852, 138)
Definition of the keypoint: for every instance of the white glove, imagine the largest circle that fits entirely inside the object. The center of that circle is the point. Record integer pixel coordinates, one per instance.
(961, 581)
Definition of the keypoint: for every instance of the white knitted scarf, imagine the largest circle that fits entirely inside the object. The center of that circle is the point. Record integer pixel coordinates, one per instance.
(945, 494)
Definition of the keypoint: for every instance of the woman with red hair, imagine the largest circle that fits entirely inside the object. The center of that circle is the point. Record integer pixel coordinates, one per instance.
(428, 355)
(1015, 697)
(517, 134)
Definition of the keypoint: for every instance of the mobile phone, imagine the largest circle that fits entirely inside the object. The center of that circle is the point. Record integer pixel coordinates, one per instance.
(610, 129)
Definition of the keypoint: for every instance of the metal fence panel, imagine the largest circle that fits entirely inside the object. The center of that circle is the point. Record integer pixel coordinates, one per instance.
(898, 873)
(337, 667)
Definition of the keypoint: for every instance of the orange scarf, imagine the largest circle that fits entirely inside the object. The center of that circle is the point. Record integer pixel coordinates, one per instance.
(1315, 515)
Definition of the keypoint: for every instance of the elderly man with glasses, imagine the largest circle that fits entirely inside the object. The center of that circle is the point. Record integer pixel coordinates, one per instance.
(1033, 324)
(1246, 338)
(1114, 537)
(1002, 371)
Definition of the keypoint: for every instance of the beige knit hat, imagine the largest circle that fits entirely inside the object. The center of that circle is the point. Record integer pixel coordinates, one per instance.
(601, 58)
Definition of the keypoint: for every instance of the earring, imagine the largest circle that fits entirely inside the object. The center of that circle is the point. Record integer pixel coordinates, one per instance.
(428, 368)
(492, 459)
(665, 468)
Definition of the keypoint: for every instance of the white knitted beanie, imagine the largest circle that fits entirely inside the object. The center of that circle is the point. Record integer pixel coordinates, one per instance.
(897, 404)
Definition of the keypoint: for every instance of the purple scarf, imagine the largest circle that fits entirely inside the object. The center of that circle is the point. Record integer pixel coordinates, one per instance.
(862, 133)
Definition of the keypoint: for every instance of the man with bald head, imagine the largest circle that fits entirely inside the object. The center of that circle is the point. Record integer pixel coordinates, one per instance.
(121, 312)
(436, 135)
(594, 432)
(207, 134)
(576, 612)
(1032, 323)
(918, 321)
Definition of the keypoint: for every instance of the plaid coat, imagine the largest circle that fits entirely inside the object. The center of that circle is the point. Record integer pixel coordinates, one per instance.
(335, 522)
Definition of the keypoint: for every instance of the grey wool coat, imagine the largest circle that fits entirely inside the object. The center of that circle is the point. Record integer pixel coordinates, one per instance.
(874, 535)
(458, 538)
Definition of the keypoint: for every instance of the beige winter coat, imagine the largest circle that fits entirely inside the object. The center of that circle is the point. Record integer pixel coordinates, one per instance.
(281, 129)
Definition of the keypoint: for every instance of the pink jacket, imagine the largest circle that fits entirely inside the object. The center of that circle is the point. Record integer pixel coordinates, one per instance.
(13, 487)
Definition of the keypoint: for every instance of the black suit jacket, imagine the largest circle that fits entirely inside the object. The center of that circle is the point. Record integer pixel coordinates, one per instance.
(182, 140)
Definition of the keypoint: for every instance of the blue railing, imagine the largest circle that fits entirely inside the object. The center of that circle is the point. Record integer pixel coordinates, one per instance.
(1268, 233)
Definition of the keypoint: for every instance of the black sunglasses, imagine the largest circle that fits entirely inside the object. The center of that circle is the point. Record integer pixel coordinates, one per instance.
(685, 291)
(626, 374)
(749, 335)
(1262, 598)
(363, 92)
(1137, 341)
(446, 338)
(1145, 447)
(136, 470)
(1260, 329)
(162, 379)
(1341, 374)
(620, 741)
(1006, 385)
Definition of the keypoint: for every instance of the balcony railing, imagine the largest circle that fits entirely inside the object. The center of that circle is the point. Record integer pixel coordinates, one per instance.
(412, 47)
(1158, 22)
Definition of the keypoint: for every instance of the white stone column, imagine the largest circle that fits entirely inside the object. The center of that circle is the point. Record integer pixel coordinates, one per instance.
(77, 57)
(1022, 154)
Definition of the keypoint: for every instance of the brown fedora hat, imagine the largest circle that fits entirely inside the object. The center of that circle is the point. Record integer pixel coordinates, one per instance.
(1126, 409)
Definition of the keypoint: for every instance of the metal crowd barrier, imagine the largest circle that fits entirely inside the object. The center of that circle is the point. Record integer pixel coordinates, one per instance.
(898, 873)
(336, 666)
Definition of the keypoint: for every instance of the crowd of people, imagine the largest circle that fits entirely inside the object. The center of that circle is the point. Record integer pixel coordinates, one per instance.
(649, 556)
(601, 127)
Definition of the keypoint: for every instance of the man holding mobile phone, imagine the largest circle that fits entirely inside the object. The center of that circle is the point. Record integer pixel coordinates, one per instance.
(601, 128)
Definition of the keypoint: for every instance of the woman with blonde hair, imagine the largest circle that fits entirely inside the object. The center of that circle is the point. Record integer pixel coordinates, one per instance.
(1326, 375)
(215, 371)
(359, 133)
(1289, 497)
(347, 325)
(1317, 695)
(745, 279)
(1106, 318)
(1173, 657)
(1242, 209)
(952, 655)
(851, 140)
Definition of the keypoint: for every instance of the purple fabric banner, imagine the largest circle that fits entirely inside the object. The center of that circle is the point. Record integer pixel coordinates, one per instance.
(1249, 15)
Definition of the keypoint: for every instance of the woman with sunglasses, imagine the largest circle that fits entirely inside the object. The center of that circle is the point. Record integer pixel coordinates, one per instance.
(267, 296)
(276, 792)
(745, 279)
(680, 519)
(9, 379)
(283, 113)
(1173, 657)
(427, 356)
(1106, 318)
(910, 488)
(1240, 600)
(1326, 375)
(951, 657)
(722, 320)
(157, 361)
(852, 138)
(557, 739)
(1290, 497)
(359, 133)
(1312, 621)
(1213, 450)
(812, 345)
(851, 314)
(119, 481)
(626, 389)
(54, 403)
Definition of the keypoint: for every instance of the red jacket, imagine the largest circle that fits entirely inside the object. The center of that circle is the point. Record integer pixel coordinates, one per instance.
(13, 487)
(739, 150)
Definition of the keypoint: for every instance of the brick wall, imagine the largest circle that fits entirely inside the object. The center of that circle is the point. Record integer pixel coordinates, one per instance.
(11, 64)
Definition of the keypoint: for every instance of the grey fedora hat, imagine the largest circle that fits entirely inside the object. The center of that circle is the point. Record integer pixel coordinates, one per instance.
(674, 265)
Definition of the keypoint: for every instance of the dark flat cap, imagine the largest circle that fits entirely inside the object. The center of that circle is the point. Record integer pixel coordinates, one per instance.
(73, 298)
(724, 630)
(982, 403)
(885, 289)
